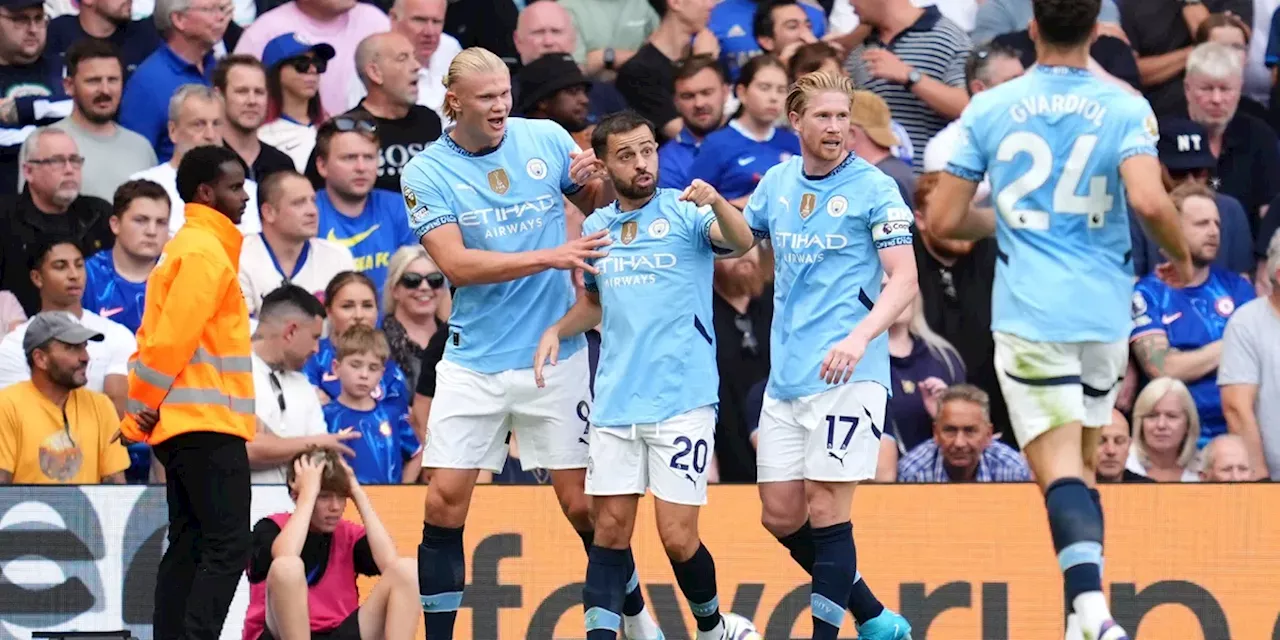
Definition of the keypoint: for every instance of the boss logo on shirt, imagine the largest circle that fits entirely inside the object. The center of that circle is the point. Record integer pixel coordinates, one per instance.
(499, 182)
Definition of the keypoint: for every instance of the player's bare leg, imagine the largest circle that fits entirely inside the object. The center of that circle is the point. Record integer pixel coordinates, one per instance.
(694, 568)
(1075, 521)
(570, 487)
(785, 514)
(391, 610)
(441, 557)
(287, 615)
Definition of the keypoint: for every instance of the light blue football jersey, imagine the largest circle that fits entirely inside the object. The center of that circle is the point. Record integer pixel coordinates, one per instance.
(657, 344)
(1052, 142)
(826, 232)
(508, 199)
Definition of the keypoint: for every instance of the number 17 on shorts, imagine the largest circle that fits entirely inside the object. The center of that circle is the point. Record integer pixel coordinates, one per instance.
(833, 436)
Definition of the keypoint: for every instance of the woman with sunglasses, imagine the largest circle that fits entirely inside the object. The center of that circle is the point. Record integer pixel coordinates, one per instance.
(294, 68)
(350, 299)
(416, 305)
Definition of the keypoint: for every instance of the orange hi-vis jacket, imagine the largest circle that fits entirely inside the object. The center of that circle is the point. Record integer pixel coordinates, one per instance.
(194, 360)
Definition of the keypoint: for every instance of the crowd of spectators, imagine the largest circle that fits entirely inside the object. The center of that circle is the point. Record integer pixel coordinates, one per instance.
(325, 101)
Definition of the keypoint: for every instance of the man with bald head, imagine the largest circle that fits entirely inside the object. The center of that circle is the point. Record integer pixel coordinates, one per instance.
(1225, 459)
(422, 23)
(387, 66)
(546, 28)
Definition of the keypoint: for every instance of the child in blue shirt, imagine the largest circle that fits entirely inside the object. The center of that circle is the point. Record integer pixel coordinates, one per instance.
(387, 451)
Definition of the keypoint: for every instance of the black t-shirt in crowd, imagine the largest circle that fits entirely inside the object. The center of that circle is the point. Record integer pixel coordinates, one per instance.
(315, 553)
(269, 161)
(1248, 165)
(648, 82)
(957, 305)
(484, 23)
(22, 226)
(1112, 54)
(742, 357)
(1156, 27)
(399, 141)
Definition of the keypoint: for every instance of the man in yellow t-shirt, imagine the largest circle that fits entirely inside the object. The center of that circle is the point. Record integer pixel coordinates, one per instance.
(52, 429)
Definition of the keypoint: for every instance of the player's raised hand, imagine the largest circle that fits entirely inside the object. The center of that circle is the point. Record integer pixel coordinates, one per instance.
(584, 166)
(548, 351)
(574, 254)
(838, 366)
(700, 193)
(1176, 275)
(307, 471)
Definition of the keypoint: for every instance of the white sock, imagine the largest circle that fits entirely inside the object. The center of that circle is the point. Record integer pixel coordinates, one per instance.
(1073, 628)
(641, 626)
(1091, 607)
(715, 634)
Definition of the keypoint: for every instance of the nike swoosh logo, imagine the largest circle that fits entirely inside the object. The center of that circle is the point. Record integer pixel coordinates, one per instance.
(328, 377)
(742, 162)
(353, 240)
(1168, 319)
(107, 313)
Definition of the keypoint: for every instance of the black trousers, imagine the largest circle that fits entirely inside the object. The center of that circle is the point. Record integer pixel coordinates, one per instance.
(207, 485)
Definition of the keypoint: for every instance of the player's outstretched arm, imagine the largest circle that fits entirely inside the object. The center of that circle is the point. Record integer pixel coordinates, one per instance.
(588, 171)
(730, 229)
(583, 315)
(1145, 186)
(381, 546)
(951, 216)
(467, 267)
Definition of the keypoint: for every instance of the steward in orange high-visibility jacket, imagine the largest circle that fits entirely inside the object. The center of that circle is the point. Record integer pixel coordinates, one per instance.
(194, 359)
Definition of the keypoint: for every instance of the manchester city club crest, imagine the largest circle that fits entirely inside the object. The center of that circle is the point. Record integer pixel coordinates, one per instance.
(808, 202)
(630, 230)
(837, 206)
(659, 228)
(499, 182)
(536, 168)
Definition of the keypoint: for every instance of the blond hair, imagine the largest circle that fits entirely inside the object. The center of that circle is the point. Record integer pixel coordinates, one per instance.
(472, 61)
(1146, 404)
(811, 84)
(400, 262)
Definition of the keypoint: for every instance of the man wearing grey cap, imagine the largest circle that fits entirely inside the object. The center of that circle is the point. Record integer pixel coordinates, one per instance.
(52, 429)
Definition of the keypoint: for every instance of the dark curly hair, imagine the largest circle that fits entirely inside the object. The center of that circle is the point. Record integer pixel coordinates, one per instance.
(1066, 23)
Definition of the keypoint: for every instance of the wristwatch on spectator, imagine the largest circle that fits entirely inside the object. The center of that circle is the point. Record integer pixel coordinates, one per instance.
(610, 56)
(912, 79)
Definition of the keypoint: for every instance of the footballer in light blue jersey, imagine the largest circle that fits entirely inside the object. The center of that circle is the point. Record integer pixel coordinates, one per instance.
(1066, 152)
(508, 199)
(1052, 143)
(654, 289)
(486, 200)
(657, 384)
(826, 232)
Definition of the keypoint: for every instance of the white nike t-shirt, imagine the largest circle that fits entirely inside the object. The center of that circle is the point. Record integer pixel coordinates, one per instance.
(166, 175)
(106, 358)
(260, 273)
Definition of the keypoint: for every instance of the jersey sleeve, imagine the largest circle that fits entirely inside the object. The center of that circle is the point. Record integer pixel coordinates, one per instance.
(590, 226)
(407, 437)
(757, 210)
(1146, 312)
(424, 201)
(1139, 131)
(1242, 290)
(969, 160)
(889, 220)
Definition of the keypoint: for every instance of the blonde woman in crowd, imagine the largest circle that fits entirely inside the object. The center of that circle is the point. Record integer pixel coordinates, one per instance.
(1165, 425)
(415, 300)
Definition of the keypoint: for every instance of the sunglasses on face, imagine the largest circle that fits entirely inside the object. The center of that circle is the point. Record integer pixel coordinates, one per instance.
(344, 124)
(305, 63)
(415, 280)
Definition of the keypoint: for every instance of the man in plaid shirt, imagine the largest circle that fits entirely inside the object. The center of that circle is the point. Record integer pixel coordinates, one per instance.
(962, 448)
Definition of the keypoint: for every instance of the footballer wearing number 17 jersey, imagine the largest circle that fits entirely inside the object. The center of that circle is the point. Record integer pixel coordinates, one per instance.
(837, 226)
(1064, 150)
